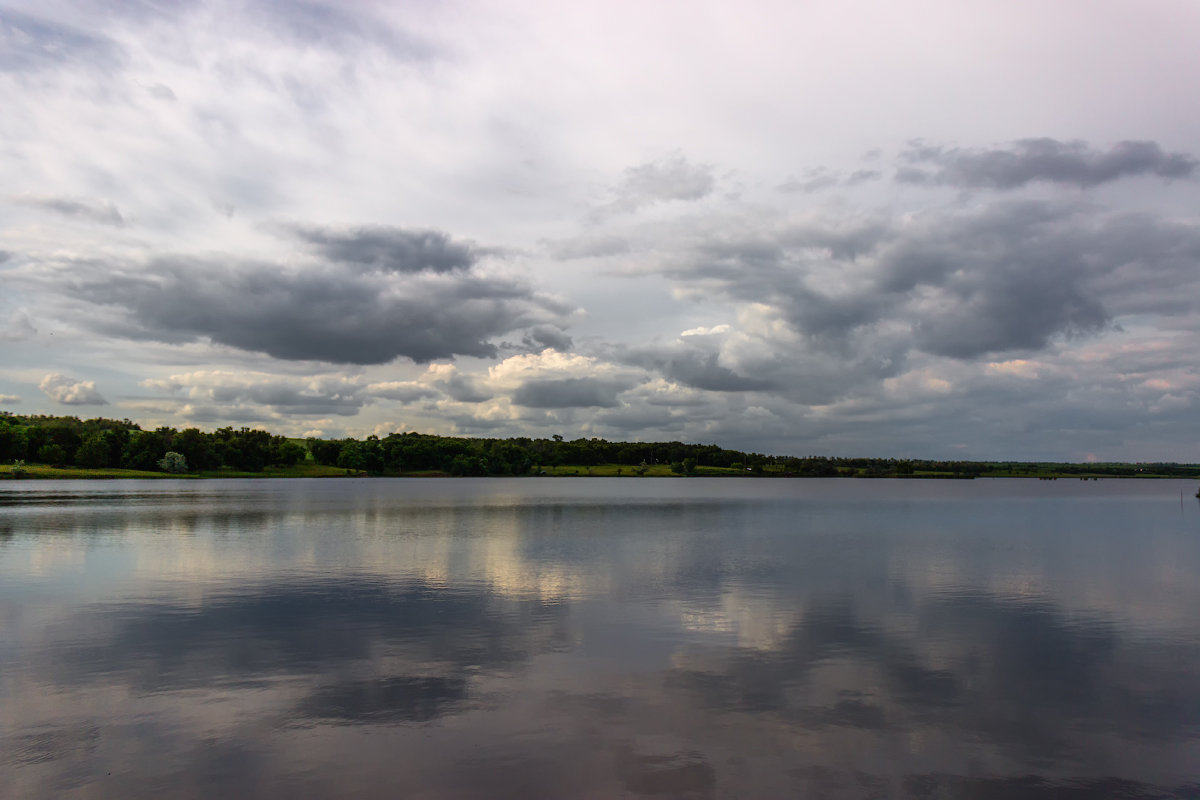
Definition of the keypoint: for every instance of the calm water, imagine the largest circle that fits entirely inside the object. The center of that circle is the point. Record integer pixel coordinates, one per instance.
(599, 638)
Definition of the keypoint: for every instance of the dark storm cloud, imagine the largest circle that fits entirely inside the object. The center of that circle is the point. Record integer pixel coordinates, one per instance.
(337, 313)
(1049, 160)
(391, 249)
(103, 212)
(29, 43)
(569, 393)
(1003, 277)
(542, 336)
(1008, 279)
(1014, 276)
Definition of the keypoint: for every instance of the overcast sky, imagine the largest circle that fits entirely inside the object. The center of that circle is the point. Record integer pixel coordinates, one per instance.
(920, 228)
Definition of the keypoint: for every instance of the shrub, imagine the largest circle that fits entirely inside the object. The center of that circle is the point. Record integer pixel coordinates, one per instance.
(173, 462)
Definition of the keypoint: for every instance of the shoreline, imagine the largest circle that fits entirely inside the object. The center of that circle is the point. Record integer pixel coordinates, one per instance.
(37, 472)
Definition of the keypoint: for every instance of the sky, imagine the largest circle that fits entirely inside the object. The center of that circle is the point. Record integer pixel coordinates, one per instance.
(926, 229)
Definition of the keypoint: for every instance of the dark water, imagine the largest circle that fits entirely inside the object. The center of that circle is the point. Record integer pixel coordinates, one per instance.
(598, 638)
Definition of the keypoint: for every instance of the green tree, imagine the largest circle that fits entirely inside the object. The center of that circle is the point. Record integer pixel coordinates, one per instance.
(286, 453)
(13, 443)
(325, 451)
(52, 454)
(144, 449)
(245, 449)
(197, 448)
(360, 456)
(96, 450)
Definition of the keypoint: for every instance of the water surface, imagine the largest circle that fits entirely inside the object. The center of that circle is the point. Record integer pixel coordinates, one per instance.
(595, 638)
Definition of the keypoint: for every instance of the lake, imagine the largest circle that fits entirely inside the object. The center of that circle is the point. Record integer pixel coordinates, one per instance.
(599, 638)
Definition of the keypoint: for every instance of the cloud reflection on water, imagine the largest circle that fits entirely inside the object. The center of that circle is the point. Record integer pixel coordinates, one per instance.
(591, 646)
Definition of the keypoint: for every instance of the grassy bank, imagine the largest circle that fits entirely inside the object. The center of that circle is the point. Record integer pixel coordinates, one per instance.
(309, 469)
(627, 471)
(44, 471)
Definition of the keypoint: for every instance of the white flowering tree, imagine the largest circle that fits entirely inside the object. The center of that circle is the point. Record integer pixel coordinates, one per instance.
(173, 462)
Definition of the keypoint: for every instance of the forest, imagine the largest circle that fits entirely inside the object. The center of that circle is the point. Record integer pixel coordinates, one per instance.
(71, 443)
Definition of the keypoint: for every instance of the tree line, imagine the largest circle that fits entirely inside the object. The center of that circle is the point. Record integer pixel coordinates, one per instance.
(109, 443)
(419, 452)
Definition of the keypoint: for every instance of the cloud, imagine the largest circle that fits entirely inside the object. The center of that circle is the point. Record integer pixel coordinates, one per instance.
(18, 328)
(1049, 160)
(694, 360)
(331, 26)
(818, 178)
(9, 399)
(391, 249)
(335, 312)
(71, 392)
(459, 181)
(569, 393)
(103, 212)
(460, 387)
(316, 395)
(163, 92)
(587, 246)
(29, 43)
(1005, 277)
(671, 178)
(236, 414)
(540, 337)
(404, 391)
(549, 379)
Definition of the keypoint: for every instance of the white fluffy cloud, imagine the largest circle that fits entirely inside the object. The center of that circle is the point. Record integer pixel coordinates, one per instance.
(71, 392)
